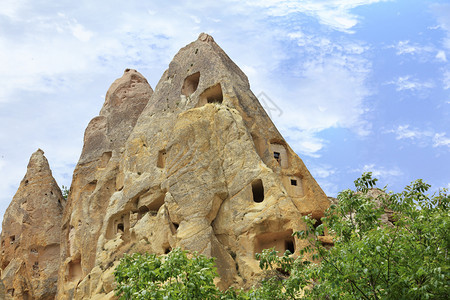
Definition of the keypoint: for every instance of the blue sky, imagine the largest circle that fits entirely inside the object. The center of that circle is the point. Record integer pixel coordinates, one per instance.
(354, 85)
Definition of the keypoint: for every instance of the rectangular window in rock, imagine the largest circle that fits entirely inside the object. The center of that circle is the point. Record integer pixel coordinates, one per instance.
(293, 185)
(280, 154)
(281, 241)
(161, 159)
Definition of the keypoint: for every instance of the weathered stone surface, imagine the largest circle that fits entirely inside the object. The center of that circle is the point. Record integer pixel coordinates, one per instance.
(203, 168)
(30, 240)
(96, 178)
(195, 164)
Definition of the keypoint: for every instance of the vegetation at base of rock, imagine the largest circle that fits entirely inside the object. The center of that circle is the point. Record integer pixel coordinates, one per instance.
(386, 246)
(175, 276)
(404, 258)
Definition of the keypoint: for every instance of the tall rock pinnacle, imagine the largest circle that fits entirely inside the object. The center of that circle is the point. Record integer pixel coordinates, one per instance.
(97, 176)
(203, 168)
(30, 240)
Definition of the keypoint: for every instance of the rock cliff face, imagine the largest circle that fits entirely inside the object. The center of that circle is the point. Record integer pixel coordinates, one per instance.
(30, 237)
(195, 164)
(204, 168)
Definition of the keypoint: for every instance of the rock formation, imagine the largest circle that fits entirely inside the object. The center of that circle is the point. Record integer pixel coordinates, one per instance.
(30, 237)
(97, 176)
(204, 168)
(195, 164)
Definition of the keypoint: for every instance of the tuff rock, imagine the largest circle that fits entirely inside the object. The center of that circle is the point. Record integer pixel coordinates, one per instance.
(196, 164)
(30, 239)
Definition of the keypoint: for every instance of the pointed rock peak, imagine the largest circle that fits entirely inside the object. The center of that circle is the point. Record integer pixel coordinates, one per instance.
(38, 163)
(31, 234)
(204, 37)
(131, 86)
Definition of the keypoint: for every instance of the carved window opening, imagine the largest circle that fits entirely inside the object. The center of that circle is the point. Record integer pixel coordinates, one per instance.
(161, 159)
(211, 95)
(258, 190)
(277, 157)
(294, 185)
(75, 271)
(281, 241)
(190, 84)
(280, 154)
(120, 228)
(289, 245)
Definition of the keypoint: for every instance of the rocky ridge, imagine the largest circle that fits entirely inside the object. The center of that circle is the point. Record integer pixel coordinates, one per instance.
(195, 164)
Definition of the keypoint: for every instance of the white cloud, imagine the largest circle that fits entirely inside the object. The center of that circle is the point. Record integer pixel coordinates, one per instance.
(404, 83)
(422, 137)
(322, 171)
(441, 56)
(440, 139)
(381, 172)
(405, 47)
(333, 13)
(446, 80)
(442, 12)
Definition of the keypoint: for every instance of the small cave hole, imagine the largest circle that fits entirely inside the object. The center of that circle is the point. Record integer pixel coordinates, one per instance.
(33, 251)
(120, 228)
(211, 95)
(258, 190)
(161, 159)
(12, 239)
(11, 292)
(190, 84)
(294, 182)
(167, 250)
(26, 182)
(289, 245)
(75, 271)
(176, 225)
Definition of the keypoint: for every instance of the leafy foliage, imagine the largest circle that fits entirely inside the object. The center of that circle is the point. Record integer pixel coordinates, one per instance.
(386, 246)
(371, 258)
(147, 276)
(65, 191)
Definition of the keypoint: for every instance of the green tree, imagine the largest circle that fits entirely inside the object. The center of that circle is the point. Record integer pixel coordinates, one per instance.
(386, 246)
(175, 276)
(406, 258)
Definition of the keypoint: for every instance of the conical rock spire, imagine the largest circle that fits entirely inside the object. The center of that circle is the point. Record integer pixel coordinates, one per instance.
(30, 240)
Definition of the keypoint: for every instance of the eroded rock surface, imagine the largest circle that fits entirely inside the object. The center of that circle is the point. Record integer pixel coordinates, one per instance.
(97, 176)
(30, 239)
(202, 168)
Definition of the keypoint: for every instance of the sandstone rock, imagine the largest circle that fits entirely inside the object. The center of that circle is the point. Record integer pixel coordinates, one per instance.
(97, 177)
(202, 168)
(30, 240)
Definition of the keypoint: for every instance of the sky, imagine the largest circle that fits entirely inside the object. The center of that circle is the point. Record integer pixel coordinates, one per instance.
(352, 85)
